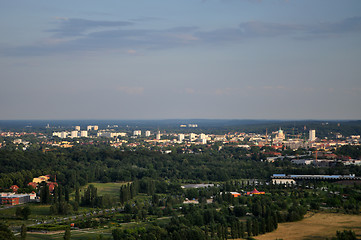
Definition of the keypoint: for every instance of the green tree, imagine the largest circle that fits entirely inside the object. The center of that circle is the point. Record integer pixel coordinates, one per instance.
(67, 234)
(23, 231)
(345, 235)
(5, 232)
(25, 212)
(77, 194)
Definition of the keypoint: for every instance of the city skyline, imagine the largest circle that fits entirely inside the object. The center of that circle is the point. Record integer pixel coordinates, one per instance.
(205, 59)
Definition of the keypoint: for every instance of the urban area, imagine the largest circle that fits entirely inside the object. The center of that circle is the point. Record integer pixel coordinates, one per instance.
(184, 182)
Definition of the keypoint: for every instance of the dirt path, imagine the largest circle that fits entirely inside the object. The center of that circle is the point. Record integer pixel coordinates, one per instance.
(316, 227)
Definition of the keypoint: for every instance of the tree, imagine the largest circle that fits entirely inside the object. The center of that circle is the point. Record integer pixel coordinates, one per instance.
(249, 227)
(44, 194)
(23, 231)
(5, 232)
(18, 212)
(25, 212)
(345, 235)
(77, 194)
(67, 234)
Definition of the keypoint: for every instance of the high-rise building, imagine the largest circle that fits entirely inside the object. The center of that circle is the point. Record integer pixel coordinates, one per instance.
(90, 127)
(74, 134)
(84, 134)
(137, 132)
(158, 135)
(147, 133)
(312, 135)
(63, 134)
(180, 137)
(192, 136)
(202, 136)
(77, 128)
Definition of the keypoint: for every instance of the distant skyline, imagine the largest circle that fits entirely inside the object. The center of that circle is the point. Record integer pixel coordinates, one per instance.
(190, 59)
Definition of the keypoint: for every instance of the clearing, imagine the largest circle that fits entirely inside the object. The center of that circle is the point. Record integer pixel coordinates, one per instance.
(111, 188)
(315, 226)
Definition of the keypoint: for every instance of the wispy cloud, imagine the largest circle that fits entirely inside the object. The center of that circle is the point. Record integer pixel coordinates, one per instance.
(89, 35)
(76, 26)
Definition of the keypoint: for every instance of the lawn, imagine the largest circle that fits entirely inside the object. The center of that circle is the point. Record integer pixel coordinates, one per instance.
(111, 188)
(316, 227)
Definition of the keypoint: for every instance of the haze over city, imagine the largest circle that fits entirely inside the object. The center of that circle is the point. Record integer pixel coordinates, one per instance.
(219, 59)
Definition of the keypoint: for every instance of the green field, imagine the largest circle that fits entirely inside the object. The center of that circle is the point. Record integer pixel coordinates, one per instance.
(75, 234)
(111, 188)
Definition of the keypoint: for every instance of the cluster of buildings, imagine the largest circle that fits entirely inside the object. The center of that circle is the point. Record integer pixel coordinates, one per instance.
(293, 178)
(138, 138)
(13, 198)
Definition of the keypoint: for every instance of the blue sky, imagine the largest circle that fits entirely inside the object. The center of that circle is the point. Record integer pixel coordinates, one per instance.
(239, 59)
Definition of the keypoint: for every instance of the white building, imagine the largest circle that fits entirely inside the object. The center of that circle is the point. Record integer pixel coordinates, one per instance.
(111, 134)
(158, 135)
(312, 135)
(92, 127)
(192, 137)
(74, 134)
(203, 141)
(137, 133)
(202, 136)
(147, 133)
(56, 134)
(181, 137)
(283, 181)
(84, 134)
(77, 128)
(64, 134)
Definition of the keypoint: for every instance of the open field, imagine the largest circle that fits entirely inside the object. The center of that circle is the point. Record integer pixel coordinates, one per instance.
(75, 234)
(111, 188)
(315, 227)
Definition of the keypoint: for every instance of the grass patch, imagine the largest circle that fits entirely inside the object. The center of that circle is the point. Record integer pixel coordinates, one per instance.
(111, 188)
(39, 210)
(316, 226)
(75, 234)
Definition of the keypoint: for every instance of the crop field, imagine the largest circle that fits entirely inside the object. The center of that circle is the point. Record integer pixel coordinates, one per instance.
(315, 227)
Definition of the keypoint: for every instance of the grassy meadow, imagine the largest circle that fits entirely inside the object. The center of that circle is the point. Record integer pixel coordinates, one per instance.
(111, 188)
(315, 226)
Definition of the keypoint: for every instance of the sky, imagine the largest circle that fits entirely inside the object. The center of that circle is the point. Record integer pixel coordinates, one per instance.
(180, 59)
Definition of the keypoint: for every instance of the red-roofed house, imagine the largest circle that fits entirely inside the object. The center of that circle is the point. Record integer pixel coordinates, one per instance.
(33, 185)
(256, 192)
(51, 186)
(235, 194)
(14, 188)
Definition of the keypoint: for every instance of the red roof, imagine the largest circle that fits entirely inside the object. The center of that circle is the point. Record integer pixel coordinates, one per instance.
(32, 184)
(255, 191)
(14, 188)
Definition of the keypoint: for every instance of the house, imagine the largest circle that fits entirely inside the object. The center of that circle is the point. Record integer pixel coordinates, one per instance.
(235, 194)
(41, 179)
(51, 186)
(255, 192)
(14, 188)
(33, 185)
